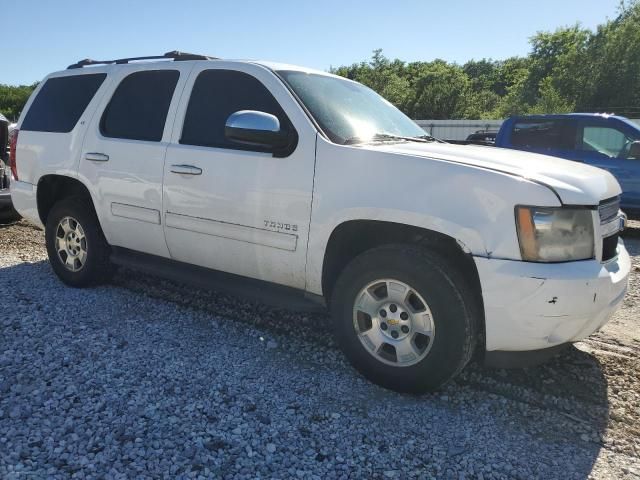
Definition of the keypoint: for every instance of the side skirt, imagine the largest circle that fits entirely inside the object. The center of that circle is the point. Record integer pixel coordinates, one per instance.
(259, 291)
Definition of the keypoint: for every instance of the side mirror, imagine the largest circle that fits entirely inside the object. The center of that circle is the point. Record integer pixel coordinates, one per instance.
(634, 150)
(253, 128)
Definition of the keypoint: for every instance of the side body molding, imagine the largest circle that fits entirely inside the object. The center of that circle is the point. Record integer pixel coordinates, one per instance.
(242, 233)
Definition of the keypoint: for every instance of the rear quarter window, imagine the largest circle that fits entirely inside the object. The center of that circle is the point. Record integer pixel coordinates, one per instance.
(61, 102)
(546, 134)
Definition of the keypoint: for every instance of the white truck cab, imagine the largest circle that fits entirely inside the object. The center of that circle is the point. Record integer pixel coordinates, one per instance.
(313, 184)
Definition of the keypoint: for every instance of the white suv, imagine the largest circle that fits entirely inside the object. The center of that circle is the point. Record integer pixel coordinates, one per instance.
(312, 185)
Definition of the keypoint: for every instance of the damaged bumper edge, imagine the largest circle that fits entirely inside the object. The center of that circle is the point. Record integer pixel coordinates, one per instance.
(535, 306)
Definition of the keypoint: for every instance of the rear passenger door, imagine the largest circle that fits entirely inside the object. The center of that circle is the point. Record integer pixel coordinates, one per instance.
(238, 208)
(123, 153)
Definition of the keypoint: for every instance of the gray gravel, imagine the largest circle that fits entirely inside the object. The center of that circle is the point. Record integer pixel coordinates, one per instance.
(146, 378)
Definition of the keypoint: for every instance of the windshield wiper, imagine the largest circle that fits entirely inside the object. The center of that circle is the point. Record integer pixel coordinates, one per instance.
(430, 138)
(388, 136)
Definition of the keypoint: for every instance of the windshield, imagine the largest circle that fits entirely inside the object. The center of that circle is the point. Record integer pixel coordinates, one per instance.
(347, 110)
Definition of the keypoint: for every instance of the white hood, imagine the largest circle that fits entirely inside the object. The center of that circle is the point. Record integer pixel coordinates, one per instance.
(575, 183)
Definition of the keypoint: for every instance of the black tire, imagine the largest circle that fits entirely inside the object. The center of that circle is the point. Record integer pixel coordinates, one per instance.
(97, 267)
(448, 297)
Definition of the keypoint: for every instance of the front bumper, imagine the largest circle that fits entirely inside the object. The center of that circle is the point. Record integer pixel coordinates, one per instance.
(534, 306)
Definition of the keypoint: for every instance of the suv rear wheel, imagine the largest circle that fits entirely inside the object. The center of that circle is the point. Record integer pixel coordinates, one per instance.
(403, 318)
(77, 249)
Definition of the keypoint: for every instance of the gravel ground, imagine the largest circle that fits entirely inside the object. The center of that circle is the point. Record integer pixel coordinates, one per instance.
(146, 378)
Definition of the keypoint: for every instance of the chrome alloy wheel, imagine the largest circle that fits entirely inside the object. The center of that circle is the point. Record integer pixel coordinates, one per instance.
(71, 244)
(393, 322)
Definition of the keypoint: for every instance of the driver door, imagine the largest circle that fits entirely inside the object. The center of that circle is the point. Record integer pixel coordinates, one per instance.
(233, 207)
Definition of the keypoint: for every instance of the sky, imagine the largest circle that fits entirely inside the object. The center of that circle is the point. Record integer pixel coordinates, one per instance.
(42, 36)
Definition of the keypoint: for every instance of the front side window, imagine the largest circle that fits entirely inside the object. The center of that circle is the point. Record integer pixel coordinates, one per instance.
(608, 141)
(348, 112)
(215, 96)
(544, 134)
(61, 102)
(139, 106)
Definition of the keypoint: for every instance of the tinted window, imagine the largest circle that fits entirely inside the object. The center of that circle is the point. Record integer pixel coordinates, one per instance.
(139, 106)
(216, 95)
(560, 134)
(60, 103)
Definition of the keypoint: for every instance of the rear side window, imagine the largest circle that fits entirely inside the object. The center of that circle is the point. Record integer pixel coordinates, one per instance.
(61, 102)
(549, 134)
(139, 106)
(216, 95)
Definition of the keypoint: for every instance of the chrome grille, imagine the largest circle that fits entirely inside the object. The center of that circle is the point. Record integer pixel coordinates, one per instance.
(608, 209)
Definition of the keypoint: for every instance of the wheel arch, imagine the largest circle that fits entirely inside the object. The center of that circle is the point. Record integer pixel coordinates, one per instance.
(353, 237)
(53, 188)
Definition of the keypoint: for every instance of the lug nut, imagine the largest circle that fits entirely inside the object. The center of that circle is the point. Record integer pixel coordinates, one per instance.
(383, 326)
(383, 313)
(404, 329)
(394, 334)
(404, 315)
(393, 308)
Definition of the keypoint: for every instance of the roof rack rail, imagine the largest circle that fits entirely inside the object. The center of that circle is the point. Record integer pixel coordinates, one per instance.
(173, 55)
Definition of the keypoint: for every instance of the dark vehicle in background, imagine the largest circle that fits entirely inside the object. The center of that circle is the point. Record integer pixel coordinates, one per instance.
(481, 137)
(7, 212)
(606, 141)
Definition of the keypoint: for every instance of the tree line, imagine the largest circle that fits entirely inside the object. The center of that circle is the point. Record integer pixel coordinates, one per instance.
(571, 69)
(12, 99)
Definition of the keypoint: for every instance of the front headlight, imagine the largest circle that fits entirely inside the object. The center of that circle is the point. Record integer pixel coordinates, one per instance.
(550, 234)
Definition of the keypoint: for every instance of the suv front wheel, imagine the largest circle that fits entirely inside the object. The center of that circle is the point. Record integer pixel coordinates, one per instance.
(403, 317)
(77, 249)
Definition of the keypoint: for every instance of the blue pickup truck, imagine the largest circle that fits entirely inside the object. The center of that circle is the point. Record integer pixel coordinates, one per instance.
(605, 141)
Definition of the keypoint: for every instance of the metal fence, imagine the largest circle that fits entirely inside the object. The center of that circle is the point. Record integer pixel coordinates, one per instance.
(460, 129)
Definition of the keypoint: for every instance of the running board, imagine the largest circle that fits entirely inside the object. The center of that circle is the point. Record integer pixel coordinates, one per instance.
(260, 291)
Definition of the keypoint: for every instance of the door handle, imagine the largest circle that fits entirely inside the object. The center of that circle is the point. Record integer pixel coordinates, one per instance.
(96, 157)
(186, 170)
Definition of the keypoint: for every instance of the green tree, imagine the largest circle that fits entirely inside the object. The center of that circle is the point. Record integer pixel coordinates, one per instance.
(381, 75)
(614, 52)
(13, 99)
(440, 91)
(563, 58)
(550, 100)
(514, 100)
